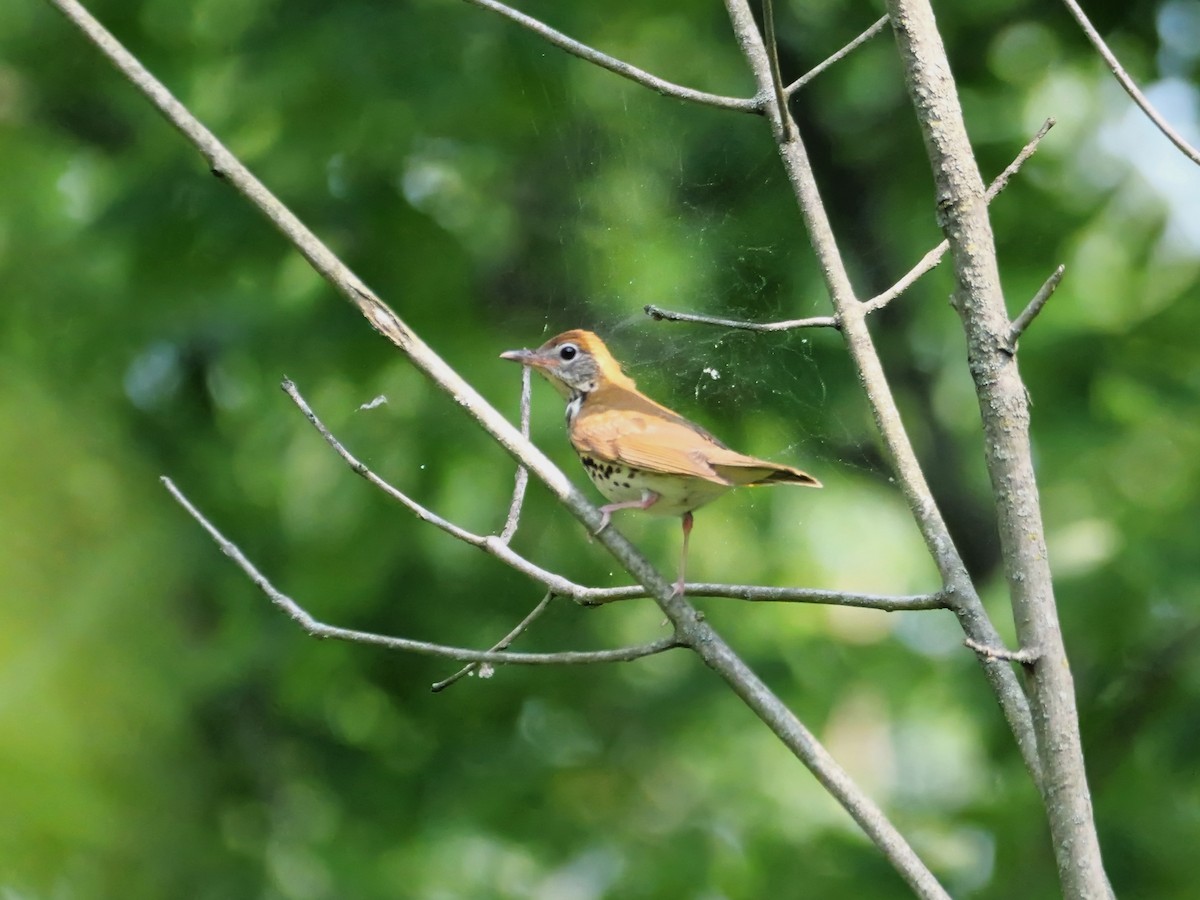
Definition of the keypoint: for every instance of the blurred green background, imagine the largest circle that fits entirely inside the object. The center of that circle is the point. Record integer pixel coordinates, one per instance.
(165, 733)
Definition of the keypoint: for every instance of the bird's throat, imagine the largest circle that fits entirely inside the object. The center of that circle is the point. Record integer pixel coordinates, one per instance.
(574, 405)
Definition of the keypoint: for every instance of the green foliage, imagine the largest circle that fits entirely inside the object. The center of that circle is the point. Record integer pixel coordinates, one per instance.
(165, 732)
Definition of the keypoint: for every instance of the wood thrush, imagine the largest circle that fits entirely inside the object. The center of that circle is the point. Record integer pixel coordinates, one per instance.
(640, 454)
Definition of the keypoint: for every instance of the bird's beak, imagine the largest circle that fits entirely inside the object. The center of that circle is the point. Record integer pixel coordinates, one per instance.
(524, 357)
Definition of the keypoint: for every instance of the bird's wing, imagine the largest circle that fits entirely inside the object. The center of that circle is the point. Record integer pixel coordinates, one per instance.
(632, 429)
(670, 446)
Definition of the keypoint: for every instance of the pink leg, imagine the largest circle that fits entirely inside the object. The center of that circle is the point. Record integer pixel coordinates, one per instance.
(649, 498)
(687, 530)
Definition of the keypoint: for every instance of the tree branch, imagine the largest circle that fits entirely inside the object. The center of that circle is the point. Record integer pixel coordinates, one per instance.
(490, 544)
(964, 599)
(1000, 182)
(624, 69)
(785, 119)
(503, 644)
(320, 630)
(1029, 313)
(931, 259)
(837, 57)
(1005, 414)
(665, 315)
(1127, 83)
(990, 654)
(761, 594)
(886, 837)
(522, 478)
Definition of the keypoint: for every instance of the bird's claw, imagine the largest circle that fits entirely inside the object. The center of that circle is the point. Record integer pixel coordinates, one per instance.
(605, 518)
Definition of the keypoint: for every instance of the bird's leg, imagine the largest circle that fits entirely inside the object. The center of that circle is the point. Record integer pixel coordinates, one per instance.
(687, 530)
(649, 498)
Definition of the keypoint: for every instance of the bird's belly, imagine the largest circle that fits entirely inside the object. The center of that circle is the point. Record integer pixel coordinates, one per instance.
(677, 494)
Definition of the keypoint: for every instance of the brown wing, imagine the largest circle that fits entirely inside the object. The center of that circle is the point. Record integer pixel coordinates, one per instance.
(634, 430)
(646, 442)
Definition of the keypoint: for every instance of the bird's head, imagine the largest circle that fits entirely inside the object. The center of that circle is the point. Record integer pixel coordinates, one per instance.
(575, 362)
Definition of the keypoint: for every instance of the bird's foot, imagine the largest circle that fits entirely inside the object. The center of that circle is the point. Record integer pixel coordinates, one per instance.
(649, 498)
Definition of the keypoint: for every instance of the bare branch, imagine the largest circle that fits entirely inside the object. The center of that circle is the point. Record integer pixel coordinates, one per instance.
(1004, 411)
(964, 599)
(1024, 657)
(1029, 313)
(837, 57)
(931, 259)
(503, 644)
(488, 543)
(665, 315)
(320, 630)
(624, 69)
(522, 480)
(1131, 89)
(786, 126)
(1000, 182)
(760, 594)
(928, 263)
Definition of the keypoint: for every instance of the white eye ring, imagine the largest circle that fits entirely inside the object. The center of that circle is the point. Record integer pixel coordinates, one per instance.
(568, 352)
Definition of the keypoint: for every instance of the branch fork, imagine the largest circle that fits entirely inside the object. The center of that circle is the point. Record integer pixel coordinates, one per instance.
(1030, 312)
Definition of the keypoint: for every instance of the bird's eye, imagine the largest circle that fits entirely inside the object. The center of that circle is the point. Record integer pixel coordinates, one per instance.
(567, 352)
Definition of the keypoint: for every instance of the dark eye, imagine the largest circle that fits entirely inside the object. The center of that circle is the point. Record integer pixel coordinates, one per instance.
(567, 352)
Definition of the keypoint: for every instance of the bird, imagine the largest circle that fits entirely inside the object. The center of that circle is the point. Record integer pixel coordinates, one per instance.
(638, 453)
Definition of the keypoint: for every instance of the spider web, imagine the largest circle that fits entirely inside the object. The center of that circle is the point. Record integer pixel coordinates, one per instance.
(799, 383)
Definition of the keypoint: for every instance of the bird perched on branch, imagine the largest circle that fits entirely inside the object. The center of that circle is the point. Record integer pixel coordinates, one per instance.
(638, 453)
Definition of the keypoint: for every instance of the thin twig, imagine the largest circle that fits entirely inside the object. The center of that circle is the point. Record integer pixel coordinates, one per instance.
(1029, 313)
(928, 263)
(503, 644)
(320, 630)
(624, 69)
(1131, 89)
(665, 315)
(760, 594)
(1026, 657)
(785, 126)
(522, 479)
(931, 259)
(488, 543)
(837, 57)
(1000, 182)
